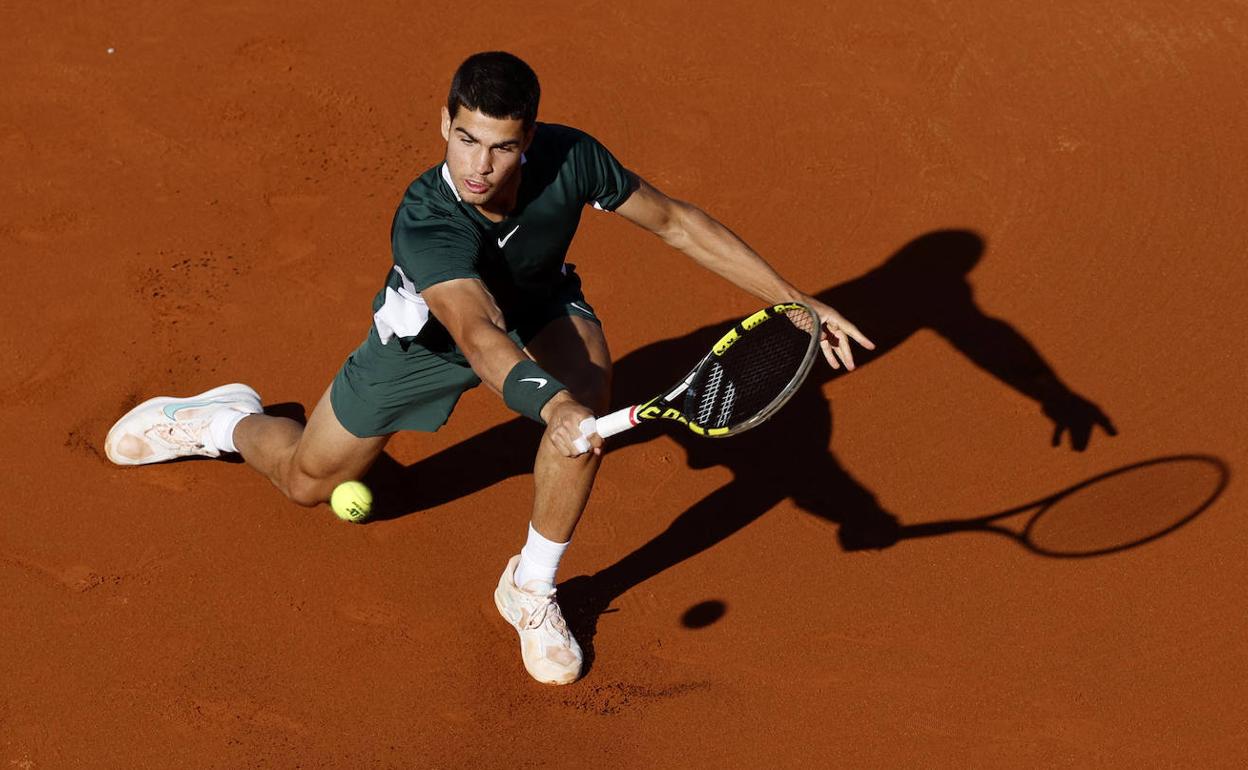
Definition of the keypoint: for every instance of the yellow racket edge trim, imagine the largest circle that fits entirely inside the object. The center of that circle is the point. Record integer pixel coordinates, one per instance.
(756, 319)
(725, 342)
(749, 323)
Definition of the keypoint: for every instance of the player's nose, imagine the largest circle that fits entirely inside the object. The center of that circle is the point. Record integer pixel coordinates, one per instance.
(482, 163)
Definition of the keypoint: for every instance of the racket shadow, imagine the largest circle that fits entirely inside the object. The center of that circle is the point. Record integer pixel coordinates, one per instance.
(1109, 513)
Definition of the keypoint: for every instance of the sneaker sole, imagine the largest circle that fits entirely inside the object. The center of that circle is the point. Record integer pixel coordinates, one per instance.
(238, 389)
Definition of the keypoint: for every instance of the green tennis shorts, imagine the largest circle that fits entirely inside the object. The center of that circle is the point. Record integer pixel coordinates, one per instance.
(383, 389)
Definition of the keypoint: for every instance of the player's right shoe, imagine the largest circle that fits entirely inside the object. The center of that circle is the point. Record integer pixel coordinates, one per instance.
(550, 652)
(166, 428)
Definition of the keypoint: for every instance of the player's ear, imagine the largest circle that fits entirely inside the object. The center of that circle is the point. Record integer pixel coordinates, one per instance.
(528, 137)
(446, 123)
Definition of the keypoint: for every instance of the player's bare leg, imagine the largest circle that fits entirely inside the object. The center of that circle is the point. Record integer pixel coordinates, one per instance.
(306, 463)
(574, 350)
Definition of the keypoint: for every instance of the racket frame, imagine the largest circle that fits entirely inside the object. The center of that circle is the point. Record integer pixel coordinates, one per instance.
(664, 406)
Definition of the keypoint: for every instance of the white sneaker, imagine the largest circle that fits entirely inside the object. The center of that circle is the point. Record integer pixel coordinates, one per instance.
(166, 428)
(549, 652)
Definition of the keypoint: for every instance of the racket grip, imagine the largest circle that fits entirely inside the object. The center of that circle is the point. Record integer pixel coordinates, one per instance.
(616, 422)
(605, 426)
(588, 427)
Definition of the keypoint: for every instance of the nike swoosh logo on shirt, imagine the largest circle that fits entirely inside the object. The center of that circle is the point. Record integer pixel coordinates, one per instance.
(503, 241)
(541, 383)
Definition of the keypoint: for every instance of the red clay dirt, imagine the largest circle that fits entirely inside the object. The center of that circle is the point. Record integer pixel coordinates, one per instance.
(210, 201)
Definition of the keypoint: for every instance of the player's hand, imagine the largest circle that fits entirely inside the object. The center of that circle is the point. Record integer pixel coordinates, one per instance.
(563, 415)
(837, 332)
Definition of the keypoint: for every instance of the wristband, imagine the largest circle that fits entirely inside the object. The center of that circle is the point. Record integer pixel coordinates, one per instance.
(528, 387)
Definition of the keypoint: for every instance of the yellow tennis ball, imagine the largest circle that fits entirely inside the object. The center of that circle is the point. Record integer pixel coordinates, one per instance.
(352, 501)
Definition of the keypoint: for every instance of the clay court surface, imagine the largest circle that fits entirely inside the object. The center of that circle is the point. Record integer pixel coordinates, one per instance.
(1030, 209)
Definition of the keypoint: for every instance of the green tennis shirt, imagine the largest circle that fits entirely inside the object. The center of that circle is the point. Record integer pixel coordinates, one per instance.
(437, 237)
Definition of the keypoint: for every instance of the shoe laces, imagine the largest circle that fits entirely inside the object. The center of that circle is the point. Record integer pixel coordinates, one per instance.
(181, 434)
(547, 609)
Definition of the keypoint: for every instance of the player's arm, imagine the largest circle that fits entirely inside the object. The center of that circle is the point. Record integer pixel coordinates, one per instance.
(715, 247)
(468, 311)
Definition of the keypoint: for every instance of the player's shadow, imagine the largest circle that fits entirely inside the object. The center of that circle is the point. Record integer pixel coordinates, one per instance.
(924, 285)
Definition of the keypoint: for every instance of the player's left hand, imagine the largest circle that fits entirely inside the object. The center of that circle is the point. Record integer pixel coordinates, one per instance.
(836, 334)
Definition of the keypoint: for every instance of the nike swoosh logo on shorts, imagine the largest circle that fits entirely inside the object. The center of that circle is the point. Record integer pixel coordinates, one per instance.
(581, 308)
(541, 383)
(503, 241)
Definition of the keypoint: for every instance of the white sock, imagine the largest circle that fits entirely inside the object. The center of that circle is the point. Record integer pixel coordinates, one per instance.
(539, 560)
(221, 428)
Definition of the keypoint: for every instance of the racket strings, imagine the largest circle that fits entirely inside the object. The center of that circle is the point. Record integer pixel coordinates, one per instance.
(707, 406)
(755, 374)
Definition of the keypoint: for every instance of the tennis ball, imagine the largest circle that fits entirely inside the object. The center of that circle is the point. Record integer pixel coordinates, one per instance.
(352, 501)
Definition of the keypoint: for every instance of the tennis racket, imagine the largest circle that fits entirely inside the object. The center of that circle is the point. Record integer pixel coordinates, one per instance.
(746, 377)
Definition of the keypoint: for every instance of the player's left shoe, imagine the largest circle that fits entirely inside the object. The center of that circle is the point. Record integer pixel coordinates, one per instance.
(166, 428)
(550, 653)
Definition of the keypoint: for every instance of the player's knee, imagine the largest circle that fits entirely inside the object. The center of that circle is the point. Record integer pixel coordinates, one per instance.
(306, 490)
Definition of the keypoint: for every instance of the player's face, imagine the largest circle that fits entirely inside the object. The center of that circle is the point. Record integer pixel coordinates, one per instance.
(483, 153)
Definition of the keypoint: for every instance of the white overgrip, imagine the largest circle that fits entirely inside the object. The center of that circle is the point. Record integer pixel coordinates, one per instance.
(606, 426)
(616, 422)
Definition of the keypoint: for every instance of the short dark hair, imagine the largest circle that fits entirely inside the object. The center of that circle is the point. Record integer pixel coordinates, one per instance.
(497, 83)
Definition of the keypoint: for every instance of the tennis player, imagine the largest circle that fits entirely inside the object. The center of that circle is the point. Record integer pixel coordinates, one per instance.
(479, 292)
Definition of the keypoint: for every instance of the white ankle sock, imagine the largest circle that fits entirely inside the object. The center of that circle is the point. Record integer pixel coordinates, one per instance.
(539, 560)
(221, 429)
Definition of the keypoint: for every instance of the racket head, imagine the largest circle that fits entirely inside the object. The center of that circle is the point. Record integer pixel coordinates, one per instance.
(750, 373)
(1126, 507)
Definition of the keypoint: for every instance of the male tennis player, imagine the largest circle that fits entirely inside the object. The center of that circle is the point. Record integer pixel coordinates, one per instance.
(479, 292)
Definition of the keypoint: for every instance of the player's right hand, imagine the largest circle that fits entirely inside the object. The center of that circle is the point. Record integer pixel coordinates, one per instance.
(563, 415)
